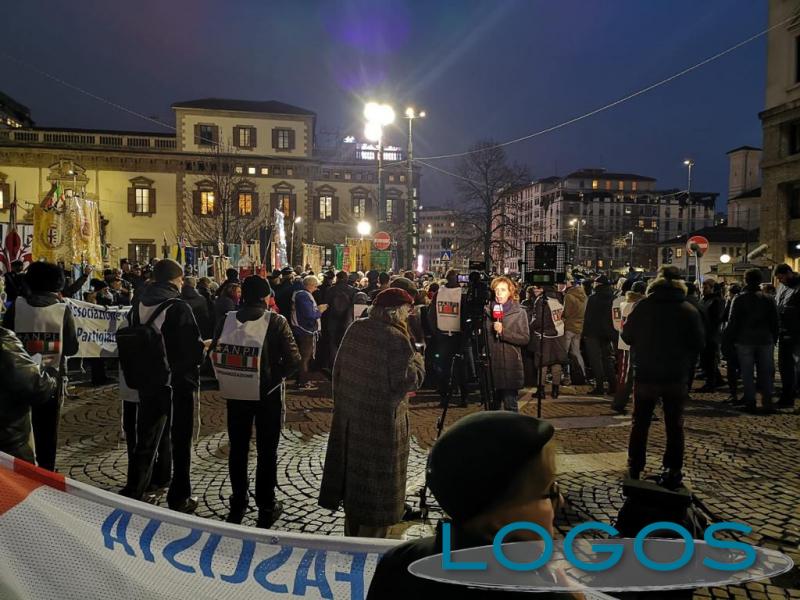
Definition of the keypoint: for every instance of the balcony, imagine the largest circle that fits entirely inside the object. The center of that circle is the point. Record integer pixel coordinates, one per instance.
(86, 139)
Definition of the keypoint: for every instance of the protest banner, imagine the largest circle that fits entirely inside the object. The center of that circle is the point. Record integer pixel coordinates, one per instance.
(96, 327)
(60, 538)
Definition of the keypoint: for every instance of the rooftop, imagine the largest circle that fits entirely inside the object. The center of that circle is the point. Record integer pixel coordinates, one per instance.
(260, 106)
(603, 174)
(754, 193)
(718, 234)
(743, 148)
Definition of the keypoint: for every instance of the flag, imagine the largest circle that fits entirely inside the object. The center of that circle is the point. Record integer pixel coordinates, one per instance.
(12, 245)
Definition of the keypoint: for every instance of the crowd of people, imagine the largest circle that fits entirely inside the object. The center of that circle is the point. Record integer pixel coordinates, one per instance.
(379, 337)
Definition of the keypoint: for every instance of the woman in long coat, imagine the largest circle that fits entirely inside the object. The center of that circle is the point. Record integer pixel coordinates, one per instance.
(545, 317)
(506, 338)
(367, 458)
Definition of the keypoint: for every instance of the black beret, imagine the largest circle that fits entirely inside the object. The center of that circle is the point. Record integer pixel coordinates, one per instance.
(166, 270)
(475, 462)
(287, 271)
(44, 277)
(98, 284)
(256, 288)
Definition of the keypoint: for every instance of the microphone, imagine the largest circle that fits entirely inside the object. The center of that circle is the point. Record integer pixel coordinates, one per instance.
(497, 315)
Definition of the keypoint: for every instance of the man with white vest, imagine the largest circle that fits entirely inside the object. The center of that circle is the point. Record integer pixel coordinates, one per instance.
(44, 325)
(446, 319)
(164, 417)
(253, 354)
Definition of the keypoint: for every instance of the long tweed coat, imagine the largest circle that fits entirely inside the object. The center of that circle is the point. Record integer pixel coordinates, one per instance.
(367, 457)
(506, 352)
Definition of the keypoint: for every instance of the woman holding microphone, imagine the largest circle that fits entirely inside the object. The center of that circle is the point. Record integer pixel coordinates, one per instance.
(507, 324)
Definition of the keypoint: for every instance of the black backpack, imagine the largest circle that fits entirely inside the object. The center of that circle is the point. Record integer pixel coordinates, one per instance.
(142, 353)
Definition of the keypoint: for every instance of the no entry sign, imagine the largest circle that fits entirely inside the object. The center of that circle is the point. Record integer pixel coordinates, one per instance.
(702, 244)
(382, 240)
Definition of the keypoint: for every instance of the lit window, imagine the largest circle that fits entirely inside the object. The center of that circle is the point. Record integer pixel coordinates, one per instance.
(265, 170)
(402, 178)
(359, 208)
(654, 223)
(244, 137)
(348, 176)
(608, 184)
(290, 172)
(245, 203)
(206, 135)
(285, 204)
(2, 199)
(391, 178)
(641, 222)
(633, 186)
(326, 208)
(207, 203)
(389, 210)
(621, 185)
(595, 184)
(142, 200)
(678, 252)
(251, 170)
(239, 170)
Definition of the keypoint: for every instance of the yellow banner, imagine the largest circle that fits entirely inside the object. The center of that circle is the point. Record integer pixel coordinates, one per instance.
(70, 235)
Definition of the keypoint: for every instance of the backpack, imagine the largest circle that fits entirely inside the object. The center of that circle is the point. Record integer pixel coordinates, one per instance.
(142, 353)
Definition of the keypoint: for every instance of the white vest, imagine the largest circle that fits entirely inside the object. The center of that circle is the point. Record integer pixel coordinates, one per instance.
(557, 315)
(40, 329)
(448, 309)
(237, 357)
(625, 310)
(616, 312)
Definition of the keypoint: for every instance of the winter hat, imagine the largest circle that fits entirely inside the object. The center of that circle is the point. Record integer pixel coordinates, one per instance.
(392, 297)
(404, 284)
(670, 272)
(602, 280)
(167, 270)
(255, 288)
(477, 460)
(639, 287)
(44, 277)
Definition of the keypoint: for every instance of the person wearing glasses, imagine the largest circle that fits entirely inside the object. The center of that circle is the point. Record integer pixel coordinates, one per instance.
(486, 471)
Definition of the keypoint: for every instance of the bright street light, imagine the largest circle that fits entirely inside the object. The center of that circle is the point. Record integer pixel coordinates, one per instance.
(364, 228)
(383, 114)
(725, 259)
(373, 131)
(298, 219)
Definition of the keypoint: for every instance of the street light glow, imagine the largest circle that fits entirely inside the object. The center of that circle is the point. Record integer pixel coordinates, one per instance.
(372, 112)
(373, 131)
(298, 219)
(688, 162)
(364, 228)
(725, 259)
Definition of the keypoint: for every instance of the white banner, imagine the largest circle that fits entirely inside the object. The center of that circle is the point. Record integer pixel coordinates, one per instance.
(448, 309)
(97, 327)
(63, 539)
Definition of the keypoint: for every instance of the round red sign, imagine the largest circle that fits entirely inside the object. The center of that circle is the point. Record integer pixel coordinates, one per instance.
(702, 244)
(382, 240)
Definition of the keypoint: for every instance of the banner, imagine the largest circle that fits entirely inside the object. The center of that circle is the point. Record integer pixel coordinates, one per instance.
(313, 256)
(280, 257)
(97, 327)
(448, 309)
(70, 234)
(60, 538)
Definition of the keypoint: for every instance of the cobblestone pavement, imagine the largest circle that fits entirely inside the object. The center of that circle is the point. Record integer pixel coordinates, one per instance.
(744, 467)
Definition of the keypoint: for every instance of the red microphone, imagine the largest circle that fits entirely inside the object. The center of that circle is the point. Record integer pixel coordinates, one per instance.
(497, 316)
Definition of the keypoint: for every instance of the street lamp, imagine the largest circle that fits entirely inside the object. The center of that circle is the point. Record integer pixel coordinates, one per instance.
(725, 259)
(411, 204)
(630, 233)
(378, 116)
(364, 228)
(689, 163)
(577, 224)
(291, 249)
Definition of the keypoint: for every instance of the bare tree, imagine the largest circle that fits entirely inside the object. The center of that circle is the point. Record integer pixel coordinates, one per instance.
(223, 205)
(485, 187)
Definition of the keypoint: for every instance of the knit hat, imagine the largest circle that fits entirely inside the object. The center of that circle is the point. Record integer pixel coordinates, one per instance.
(404, 284)
(255, 288)
(44, 277)
(166, 270)
(477, 460)
(392, 297)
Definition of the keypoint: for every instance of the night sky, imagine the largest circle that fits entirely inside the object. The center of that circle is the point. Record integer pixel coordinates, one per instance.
(490, 68)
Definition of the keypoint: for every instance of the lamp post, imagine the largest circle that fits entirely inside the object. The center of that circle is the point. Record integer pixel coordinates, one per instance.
(291, 249)
(429, 231)
(378, 116)
(689, 163)
(576, 223)
(364, 228)
(411, 203)
(630, 233)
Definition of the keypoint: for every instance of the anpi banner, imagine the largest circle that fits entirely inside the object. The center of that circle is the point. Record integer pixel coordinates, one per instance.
(97, 327)
(63, 539)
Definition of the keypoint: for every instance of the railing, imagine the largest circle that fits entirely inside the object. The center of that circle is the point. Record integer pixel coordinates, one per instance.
(75, 138)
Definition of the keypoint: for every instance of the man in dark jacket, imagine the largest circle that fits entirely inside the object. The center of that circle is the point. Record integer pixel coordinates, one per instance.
(279, 359)
(284, 291)
(599, 332)
(753, 330)
(23, 384)
(665, 334)
(45, 326)
(168, 411)
(340, 300)
(487, 470)
(15, 281)
(199, 306)
(728, 349)
(450, 338)
(709, 360)
(693, 298)
(788, 298)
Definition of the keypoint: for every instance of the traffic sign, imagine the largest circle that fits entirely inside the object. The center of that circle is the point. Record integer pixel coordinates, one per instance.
(702, 244)
(447, 255)
(382, 240)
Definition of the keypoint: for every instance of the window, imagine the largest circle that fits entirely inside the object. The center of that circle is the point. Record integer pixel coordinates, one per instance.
(283, 139)
(3, 198)
(794, 201)
(633, 186)
(641, 222)
(206, 135)
(595, 184)
(359, 208)
(797, 59)
(348, 176)
(620, 185)
(207, 202)
(239, 170)
(289, 172)
(142, 200)
(326, 208)
(654, 224)
(245, 137)
(284, 204)
(608, 184)
(402, 178)
(265, 170)
(391, 178)
(389, 217)
(678, 252)
(793, 137)
(141, 251)
(251, 170)
(245, 203)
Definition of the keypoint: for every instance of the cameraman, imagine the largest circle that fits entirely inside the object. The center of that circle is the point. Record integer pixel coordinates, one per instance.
(446, 320)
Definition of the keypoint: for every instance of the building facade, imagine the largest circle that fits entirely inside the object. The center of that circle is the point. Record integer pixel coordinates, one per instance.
(744, 188)
(151, 185)
(734, 242)
(610, 220)
(438, 227)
